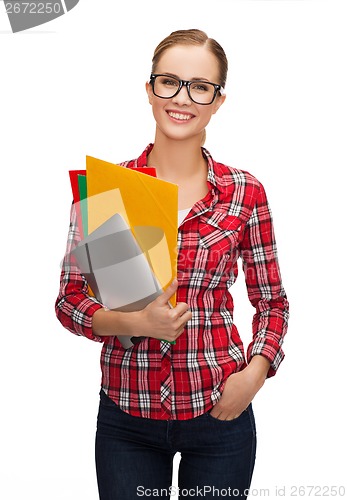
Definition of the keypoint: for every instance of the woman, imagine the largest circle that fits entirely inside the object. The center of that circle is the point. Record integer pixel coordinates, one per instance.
(192, 396)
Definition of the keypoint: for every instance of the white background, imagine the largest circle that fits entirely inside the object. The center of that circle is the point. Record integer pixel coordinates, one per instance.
(75, 87)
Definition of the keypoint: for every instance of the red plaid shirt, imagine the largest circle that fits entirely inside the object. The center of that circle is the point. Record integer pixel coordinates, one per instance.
(155, 379)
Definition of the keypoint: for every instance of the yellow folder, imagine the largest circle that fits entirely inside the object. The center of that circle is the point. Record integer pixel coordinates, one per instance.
(149, 205)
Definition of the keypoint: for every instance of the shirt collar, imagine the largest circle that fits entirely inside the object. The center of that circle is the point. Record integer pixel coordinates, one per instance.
(142, 160)
(212, 171)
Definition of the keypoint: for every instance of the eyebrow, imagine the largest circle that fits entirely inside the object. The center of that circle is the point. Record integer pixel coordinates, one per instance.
(195, 79)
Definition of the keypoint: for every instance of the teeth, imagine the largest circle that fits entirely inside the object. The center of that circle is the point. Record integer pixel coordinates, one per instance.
(178, 116)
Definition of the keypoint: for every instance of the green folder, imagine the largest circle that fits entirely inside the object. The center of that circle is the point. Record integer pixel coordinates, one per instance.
(82, 187)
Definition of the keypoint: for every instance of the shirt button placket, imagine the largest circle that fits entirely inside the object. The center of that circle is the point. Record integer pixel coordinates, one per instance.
(166, 378)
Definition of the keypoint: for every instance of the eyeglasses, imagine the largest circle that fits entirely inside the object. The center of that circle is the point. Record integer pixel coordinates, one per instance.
(199, 91)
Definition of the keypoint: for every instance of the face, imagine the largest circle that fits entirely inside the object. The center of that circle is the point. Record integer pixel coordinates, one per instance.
(178, 117)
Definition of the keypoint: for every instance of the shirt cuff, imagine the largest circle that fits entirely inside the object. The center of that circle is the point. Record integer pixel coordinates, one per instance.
(271, 351)
(83, 317)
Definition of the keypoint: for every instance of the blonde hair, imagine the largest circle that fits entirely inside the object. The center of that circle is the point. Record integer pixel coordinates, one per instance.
(193, 37)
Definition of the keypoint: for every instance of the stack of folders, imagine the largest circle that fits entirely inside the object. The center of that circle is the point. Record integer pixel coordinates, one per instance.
(128, 223)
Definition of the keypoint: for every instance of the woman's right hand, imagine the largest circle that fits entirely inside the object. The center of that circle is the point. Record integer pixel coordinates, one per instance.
(158, 319)
(161, 321)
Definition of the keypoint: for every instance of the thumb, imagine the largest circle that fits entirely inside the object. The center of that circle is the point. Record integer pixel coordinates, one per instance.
(169, 292)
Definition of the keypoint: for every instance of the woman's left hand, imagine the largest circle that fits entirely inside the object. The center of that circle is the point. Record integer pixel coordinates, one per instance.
(240, 389)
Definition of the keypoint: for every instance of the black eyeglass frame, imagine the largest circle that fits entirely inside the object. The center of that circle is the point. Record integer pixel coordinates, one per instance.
(186, 83)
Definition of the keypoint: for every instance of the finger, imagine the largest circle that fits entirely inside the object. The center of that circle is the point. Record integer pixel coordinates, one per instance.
(179, 322)
(187, 316)
(232, 417)
(168, 293)
(216, 414)
(180, 309)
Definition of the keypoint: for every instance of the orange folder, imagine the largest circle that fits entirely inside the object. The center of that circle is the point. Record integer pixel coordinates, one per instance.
(149, 206)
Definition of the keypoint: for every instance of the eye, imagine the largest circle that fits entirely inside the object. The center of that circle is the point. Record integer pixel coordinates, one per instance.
(201, 87)
(169, 82)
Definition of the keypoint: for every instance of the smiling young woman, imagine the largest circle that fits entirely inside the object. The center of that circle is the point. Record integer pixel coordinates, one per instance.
(192, 396)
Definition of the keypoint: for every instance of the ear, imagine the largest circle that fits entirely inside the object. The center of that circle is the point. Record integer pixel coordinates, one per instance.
(149, 91)
(218, 102)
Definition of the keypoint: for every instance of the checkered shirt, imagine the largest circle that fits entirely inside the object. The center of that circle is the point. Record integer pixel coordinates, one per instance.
(159, 380)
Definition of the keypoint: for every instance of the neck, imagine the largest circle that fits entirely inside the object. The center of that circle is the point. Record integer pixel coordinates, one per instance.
(176, 161)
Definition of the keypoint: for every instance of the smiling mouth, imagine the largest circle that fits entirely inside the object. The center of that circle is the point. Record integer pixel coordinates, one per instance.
(180, 116)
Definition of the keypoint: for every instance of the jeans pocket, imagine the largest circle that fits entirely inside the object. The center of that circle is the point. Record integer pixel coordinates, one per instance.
(234, 420)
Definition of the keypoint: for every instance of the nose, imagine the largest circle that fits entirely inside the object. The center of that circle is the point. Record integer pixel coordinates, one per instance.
(182, 97)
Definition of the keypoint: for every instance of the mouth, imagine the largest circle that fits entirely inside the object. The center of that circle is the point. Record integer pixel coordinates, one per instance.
(179, 116)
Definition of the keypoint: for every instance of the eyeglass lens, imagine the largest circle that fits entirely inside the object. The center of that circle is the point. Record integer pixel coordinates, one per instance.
(200, 92)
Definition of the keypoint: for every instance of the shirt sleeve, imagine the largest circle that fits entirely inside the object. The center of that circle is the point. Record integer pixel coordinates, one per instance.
(74, 306)
(264, 285)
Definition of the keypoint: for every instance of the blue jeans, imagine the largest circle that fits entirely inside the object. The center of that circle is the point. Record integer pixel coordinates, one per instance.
(134, 455)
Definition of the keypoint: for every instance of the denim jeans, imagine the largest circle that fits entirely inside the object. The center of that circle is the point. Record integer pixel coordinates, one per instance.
(134, 455)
